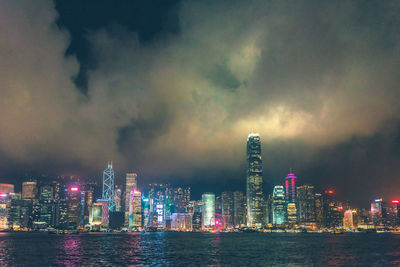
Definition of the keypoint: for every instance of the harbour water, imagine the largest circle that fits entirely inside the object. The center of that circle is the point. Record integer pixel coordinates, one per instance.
(199, 249)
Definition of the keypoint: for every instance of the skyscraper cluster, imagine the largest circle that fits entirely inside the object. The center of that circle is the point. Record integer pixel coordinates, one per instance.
(71, 203)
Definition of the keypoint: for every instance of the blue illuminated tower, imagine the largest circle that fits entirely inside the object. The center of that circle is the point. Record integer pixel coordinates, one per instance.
(108, 187)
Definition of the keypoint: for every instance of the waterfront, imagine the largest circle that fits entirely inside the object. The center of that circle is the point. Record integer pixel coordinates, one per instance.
(199, 249)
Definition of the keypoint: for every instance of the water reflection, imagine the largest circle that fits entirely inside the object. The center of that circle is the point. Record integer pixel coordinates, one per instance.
(133, 251)
(4, 250)
(70, 250)
(200, 249)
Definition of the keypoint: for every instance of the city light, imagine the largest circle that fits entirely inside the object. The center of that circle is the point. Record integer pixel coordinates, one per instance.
(396, 201)
(73, 189)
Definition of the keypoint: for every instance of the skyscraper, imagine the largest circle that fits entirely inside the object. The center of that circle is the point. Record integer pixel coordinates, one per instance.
(378, 211)
(208, 209)
(239, 209)
(135, 209)
(227, 208)
(278, 205)
(254, 183)
(291, 209)
(117, 198)
(331, 214)
(131, 186)
(108, 186)
(73, 199)
(29, 190)
(290, 187)
(306, 204)
(348, 219)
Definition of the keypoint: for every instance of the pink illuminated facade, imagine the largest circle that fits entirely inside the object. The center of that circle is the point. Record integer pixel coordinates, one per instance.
(290, 187)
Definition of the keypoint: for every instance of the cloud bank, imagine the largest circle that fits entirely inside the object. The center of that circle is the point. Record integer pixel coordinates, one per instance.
(308, 76)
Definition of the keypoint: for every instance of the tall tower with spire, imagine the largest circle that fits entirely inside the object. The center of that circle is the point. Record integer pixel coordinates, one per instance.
(290, 186)
(108, 186)
(254, 182)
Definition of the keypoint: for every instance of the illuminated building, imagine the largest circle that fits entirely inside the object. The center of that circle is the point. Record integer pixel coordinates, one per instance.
(348, 219)
(108, 186)
(117, 198)
(291, 213)
(290, 196)
(378, 211)
(6, 189)
(73, 199)
(181, 221)
(96, 214)
(396, 204)
(218, 204)
(104, 212)
(181, 199)
(196, 221)
(278, 206)
(268, 220)
(29, 190)
(87, 191)
(227, 208)
(160, 213)
(319, 218)
(135, 209)
(47, 205)
(208, 209)
(290, 187)
(131, 184)
(254, 182)
(62, 214)
(6, 193)
(239, 209)
(19, 213)
(167, 208)
(306, 204)
(331, 210)
(155, 215)
(3, 213)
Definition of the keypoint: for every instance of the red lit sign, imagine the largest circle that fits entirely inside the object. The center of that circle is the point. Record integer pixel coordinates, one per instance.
(329, 192)
(74, 189)
(395, 201)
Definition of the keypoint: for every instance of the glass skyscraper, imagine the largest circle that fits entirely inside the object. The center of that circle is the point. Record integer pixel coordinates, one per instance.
(254, 183)
(306, 204)
(278, 205)
(130, 186)
(208, 209)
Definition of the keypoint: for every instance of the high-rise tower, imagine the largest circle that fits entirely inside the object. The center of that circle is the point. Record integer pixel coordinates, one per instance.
(254, 183)
(130, 187)
(108, 187)
(278, 205)
(290, 186)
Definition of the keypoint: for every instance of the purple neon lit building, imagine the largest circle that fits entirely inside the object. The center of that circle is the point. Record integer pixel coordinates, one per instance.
(290, 186)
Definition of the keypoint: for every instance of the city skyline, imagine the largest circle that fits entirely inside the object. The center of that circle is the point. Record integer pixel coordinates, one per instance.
(199, 132)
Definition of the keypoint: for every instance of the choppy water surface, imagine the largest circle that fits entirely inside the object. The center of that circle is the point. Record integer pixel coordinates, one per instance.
(198, 249)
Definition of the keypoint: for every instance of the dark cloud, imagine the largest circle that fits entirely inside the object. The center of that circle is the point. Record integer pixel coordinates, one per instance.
(172, 90)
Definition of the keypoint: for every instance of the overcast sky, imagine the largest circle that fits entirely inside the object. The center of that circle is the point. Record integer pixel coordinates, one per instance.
(171, 89)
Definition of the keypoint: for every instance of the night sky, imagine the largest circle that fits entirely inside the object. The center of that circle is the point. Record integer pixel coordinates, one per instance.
(171, 89)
